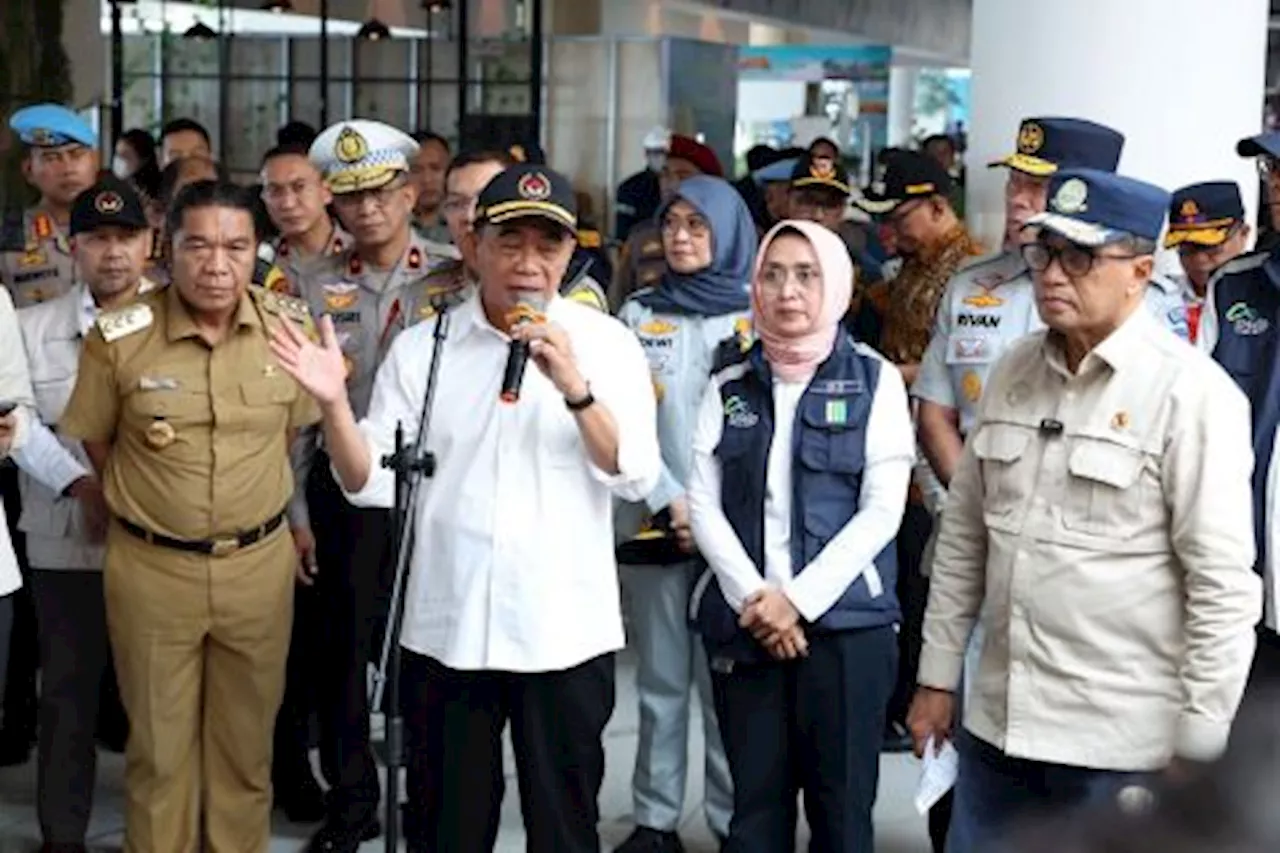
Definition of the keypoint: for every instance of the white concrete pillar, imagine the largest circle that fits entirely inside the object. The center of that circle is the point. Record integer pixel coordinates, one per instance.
(1181, 83)
(87, 50)
(902, 103)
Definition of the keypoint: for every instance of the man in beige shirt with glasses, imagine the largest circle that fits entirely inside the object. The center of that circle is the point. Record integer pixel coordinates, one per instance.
(1100, 521)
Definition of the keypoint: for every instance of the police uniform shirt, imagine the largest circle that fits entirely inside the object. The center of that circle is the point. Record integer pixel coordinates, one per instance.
(294, 268)
(369, 307)
(514, 567)
(35, 259)
(198, 434)
(986, 307)
(1100, 521)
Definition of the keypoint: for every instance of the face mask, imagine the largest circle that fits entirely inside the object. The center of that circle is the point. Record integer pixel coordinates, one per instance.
(120, 167)
(655, 160)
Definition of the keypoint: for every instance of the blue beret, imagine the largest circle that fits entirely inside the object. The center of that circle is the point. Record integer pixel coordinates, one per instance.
(50, 126)
(1094, 208)
(779, 172)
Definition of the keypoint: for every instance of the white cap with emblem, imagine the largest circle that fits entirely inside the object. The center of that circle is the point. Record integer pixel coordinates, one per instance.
(361, 155)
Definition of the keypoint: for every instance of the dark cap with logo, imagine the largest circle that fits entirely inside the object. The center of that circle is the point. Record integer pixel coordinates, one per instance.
(1094, 208)
(527, 190)
(820, 172)
(1204, 214)
(110, 201)
(908, 175)
(1046, 145)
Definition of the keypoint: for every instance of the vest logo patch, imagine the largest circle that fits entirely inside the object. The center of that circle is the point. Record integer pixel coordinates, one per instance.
(1245, 321)
(738, 413)
(983, 300)
(980, 321)
(837, 413)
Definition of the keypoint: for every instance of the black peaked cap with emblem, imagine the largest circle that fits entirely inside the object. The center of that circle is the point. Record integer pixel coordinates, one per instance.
(528, 190)
(908, 175)
(811, 171)
(110, 201)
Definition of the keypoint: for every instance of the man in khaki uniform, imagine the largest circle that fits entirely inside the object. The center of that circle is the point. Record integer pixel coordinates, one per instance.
(1099, 520)
(188, 418)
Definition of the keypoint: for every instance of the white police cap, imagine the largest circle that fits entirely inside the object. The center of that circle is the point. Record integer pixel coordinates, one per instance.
(361, 155)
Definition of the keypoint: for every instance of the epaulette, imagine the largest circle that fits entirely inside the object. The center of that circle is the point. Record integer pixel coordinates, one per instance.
(114, 325)
(13, 231)
(284, 305)
(276, 280)
(728, 353)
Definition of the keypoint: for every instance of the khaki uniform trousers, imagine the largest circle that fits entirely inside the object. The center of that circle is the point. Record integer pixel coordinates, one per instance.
(200, 645)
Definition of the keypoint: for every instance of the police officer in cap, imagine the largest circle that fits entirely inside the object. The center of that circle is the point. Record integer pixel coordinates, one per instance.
(36, 264)
(61, 162)
(111, 240)
(1207, 227)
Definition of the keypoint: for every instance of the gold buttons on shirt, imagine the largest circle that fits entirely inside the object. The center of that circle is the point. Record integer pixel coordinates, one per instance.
(160, 434)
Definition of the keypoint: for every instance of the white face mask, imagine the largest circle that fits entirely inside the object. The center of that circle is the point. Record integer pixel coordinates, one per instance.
(655, 160)
(120, 167)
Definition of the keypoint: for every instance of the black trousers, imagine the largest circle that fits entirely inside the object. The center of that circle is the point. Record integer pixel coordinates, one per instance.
(814, 725)
(913, 595)
(291, 762)
(354, 556)
(23, 656)
(75, 658)
(453, 730)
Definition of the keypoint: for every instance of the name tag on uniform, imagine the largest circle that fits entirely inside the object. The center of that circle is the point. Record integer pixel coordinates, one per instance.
(157, 383)
(839, 387)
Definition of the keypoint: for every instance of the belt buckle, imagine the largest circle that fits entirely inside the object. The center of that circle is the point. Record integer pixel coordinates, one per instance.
(225, 547)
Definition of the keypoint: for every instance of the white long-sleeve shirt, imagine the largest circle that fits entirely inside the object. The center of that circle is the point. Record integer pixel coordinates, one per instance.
(513, 568)
(15, 386)
(812, 589)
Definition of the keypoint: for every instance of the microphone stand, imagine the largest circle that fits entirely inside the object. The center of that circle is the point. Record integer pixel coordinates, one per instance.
(410, 465)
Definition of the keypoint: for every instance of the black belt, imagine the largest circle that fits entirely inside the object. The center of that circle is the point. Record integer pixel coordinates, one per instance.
(221, 547)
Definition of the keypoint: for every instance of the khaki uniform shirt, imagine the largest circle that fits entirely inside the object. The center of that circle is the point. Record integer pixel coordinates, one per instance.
(198, 434)
(42, 268)
(1101, 524)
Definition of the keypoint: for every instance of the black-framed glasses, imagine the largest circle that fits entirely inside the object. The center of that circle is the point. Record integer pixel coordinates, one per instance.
(1076, 260)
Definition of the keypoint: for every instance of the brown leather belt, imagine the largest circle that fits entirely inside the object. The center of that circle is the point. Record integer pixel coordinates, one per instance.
(223, 546)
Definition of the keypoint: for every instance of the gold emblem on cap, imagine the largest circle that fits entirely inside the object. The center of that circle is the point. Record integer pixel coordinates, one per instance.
(108, 203)
(518, 154)
(1190, 210)
(1030, 138)
(823, 169)
(1072, 197)
(350, 147)
(160, 434)
(42, 136)
(534, 186)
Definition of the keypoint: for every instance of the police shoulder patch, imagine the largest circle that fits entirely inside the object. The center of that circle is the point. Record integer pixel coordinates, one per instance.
(114, 325)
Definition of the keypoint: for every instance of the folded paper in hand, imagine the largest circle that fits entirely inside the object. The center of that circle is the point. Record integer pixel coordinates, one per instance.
(941, 766)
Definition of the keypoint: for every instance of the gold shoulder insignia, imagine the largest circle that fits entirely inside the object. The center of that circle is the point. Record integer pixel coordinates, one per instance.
(289, 307)
(276, 280)
(115, 325)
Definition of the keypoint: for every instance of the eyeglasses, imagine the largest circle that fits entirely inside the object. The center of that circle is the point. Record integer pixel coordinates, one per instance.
(774, 277)
(1076, 260)
(696, 227)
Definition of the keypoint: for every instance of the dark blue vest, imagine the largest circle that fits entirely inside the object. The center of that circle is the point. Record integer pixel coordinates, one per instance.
(1247, 298)
(828, 456)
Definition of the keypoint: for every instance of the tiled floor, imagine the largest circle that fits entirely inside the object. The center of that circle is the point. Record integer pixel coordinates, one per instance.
(899, 829)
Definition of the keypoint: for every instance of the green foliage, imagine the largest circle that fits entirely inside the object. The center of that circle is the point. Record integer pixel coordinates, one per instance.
(33, 68)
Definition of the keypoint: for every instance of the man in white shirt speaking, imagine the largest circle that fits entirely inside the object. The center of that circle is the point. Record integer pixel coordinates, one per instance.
(512, 608)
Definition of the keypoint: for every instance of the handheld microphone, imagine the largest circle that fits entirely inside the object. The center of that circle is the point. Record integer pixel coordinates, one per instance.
(527, 310)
